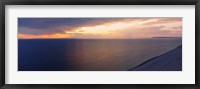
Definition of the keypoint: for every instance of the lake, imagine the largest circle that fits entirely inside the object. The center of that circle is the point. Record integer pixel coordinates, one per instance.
(90, 54)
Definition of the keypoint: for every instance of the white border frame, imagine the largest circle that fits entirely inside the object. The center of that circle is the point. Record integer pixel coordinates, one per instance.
(187, 76)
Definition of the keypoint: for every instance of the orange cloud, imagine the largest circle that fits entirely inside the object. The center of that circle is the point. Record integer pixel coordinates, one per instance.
(130, 29)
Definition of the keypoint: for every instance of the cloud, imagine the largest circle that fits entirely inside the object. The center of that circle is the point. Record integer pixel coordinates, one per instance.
(58, 25)
(99, 27)
(165, 20)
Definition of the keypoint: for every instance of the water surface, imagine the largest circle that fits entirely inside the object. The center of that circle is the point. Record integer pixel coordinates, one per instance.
(89, 54)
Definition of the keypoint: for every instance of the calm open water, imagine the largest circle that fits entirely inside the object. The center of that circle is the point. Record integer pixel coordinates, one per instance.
(89, 54)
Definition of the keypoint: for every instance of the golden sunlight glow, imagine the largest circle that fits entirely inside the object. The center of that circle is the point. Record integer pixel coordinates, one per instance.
(30, 36)
(107, 28)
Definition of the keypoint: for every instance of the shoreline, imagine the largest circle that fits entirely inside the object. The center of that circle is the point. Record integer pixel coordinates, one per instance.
(169, 61)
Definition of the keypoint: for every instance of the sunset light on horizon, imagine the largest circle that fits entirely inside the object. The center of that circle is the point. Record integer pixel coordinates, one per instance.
(99, 28)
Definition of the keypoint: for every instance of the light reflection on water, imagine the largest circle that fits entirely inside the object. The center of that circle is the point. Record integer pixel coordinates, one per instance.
(90, 54)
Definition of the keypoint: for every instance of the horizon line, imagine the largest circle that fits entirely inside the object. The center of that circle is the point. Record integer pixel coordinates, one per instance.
(99, 38)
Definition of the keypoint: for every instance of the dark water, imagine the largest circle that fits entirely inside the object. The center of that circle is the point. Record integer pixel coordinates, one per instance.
(89, 54)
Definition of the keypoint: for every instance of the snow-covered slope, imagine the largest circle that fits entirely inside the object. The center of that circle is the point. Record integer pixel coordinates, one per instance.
(170, 61)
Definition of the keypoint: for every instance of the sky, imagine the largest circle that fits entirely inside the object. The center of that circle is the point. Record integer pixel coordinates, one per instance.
(99, 28)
